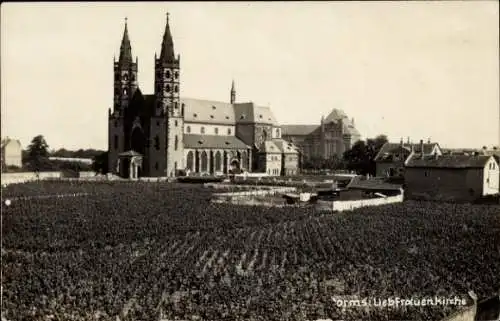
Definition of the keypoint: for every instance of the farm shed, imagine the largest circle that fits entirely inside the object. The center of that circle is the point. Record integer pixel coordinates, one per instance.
(451, 177)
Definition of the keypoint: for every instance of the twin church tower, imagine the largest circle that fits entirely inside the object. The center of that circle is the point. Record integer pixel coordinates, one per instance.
(146, 123)
(173, 133)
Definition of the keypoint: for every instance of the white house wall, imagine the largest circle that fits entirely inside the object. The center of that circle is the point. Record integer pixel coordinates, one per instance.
(491, 176)
(196, 128)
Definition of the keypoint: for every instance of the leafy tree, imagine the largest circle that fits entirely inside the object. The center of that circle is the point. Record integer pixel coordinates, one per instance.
(361, 157)
(38, 154)
(100, 163)
(80, 153)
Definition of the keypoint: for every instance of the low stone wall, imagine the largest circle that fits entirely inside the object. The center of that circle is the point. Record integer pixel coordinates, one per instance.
(341, 206)
(257, 192)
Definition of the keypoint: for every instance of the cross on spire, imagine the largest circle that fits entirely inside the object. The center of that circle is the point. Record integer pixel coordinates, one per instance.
(125, 48)
(167, 47)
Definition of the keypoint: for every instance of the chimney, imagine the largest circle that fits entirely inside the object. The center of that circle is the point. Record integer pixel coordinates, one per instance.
(422, 148)
(408, 141)
(428, 140)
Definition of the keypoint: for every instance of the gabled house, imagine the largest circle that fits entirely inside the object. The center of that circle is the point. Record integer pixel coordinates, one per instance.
(390, 160)
(11, 152)
(451, 177)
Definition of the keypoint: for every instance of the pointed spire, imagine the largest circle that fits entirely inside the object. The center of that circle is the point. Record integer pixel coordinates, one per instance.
(125, 48)
(167, 46)
(233, 93)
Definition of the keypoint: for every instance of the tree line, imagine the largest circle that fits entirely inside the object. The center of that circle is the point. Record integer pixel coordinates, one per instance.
(360, 158)
(37, 158)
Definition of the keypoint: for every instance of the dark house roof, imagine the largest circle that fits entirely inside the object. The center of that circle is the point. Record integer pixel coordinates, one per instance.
(213, 141)
(449, 161)
(297, 130)
(390, 149)
(285, 146)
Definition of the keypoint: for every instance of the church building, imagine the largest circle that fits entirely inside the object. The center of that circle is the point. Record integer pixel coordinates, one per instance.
(161, 134)
(334, 135)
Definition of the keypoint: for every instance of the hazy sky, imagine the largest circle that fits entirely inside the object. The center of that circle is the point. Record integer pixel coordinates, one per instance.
(418, 69)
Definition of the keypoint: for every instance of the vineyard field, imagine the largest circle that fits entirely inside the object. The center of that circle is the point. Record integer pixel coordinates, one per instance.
(162, 251)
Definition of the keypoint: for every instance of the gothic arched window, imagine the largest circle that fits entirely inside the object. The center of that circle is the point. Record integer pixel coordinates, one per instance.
(216, 130)
(132, 77)
(176, 143)
(176, 88)
(167, 88)
(202, 130)
(125, 77)
(188, 129)
(176, 123)
(168, 74)
(176, 75)
(229, 131)
(125, 91)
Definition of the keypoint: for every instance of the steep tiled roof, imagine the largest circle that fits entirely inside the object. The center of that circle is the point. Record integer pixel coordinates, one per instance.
(263, 114)
(269, 146)
(449, 161)
(217, 112)
(207, 111)
(213, 141)
(285, 146)
(297, 130)
(335, 115)
(389, 149)
(251, 113)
